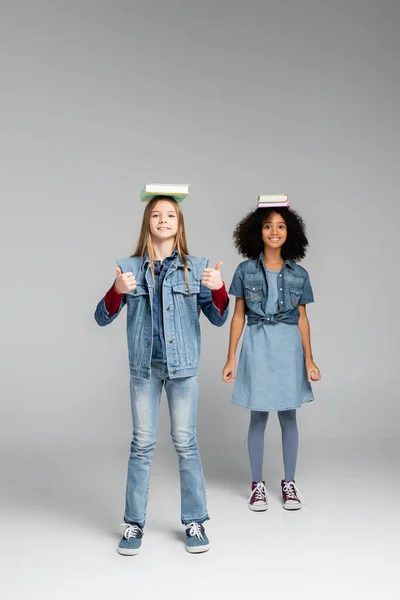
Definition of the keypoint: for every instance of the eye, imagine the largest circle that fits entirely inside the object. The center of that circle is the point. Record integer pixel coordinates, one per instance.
(266, 226)
(281, 226)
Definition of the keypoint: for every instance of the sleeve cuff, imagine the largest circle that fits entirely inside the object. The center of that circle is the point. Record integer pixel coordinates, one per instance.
(112, 301)
(220, 298)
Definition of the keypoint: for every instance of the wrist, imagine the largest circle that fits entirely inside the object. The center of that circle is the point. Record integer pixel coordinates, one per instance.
(117, 291)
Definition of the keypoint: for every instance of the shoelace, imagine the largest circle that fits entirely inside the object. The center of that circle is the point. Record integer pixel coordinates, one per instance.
(131, 531)
(195, 529)
(260, 492)
(292, 491)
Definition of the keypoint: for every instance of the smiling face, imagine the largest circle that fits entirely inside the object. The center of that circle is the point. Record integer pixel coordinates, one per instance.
(163, 221)
(274, 231)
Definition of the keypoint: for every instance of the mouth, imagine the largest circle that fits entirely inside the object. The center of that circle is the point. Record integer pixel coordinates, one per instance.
(274, 239)
(163, 228)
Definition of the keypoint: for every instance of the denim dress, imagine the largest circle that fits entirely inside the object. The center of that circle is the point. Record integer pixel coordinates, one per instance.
(271, 372)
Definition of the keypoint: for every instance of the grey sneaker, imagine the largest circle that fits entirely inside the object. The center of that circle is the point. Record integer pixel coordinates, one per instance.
(131, 540)
(196, 538)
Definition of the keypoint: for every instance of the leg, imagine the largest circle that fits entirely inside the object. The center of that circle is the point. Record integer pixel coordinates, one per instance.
(182, 394)
(145, 402)
(255, 442)
(290, 442)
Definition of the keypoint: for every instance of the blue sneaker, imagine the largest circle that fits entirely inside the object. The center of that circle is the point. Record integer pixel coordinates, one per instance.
(131, 540)
(196, 538)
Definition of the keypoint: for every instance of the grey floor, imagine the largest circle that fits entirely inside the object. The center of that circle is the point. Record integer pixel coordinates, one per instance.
(60, 514)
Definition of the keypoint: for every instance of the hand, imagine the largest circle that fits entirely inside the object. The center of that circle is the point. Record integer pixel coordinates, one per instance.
(229, 371)
(124, 282)
(211, 278)
(313, 373)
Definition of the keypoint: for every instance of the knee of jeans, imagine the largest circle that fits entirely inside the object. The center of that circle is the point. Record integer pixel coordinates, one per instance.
(184, 441)
(143, 443)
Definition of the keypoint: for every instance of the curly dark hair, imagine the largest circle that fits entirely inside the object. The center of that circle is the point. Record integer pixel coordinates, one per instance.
(248, 233)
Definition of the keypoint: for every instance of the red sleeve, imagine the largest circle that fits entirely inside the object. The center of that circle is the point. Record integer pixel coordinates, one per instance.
(220, 298)
(112, 301)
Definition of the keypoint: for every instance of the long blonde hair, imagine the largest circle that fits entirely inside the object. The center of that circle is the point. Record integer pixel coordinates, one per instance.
(145, 244)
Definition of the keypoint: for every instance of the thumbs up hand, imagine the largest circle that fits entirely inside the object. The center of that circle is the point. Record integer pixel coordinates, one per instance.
(211, 278)
(124, 282)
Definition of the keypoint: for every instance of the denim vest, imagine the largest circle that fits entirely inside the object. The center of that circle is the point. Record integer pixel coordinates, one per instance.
(181, 310)
(294, 288)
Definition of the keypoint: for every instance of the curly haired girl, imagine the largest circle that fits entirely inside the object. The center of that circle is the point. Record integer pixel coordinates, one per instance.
(276, 364)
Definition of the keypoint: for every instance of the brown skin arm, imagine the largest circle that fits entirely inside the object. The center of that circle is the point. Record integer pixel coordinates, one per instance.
(237, 326)
(313, 373)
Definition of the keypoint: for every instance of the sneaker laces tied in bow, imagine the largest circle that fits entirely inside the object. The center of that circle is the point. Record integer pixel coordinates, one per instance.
(292, 491)
(131, 531)
(195, 529)
(259, 492)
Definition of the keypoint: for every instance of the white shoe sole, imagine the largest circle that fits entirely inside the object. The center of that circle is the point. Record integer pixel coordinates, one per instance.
(258, 507)
(197, 549)
(128, 551)
(293, 506)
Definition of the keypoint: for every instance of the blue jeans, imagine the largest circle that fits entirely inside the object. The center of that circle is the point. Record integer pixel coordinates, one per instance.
(182, 394)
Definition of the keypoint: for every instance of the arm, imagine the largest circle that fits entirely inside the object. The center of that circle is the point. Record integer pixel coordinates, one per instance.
(237, 325)
(220, 298)
(213, 298)
(112, 300)
(111, 305)
(214, 304)
(313, 373)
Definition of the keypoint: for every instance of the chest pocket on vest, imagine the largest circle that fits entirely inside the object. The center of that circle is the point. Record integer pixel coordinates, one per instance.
(185, 297)
(137, 301)
(140, 290)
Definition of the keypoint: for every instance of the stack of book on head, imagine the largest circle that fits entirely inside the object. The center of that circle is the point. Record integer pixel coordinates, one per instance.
(177, 191)
(272, 200)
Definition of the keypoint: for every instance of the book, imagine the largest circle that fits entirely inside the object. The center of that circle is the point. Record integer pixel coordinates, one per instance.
(272, 200)
(272, 204)
(177, 191)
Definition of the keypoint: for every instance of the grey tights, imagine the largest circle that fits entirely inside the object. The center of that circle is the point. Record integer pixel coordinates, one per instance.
(290, 442)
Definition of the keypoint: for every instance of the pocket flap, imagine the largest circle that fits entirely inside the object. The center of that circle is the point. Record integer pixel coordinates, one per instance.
(140, 290)
(183, 288)
(253, 287)
(295, 291)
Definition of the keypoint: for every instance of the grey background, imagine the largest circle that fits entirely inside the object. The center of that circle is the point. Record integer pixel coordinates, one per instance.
(235, 98)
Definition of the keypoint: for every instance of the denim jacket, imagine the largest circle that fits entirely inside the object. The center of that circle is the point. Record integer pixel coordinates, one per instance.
(181, 311)
(294, 288)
